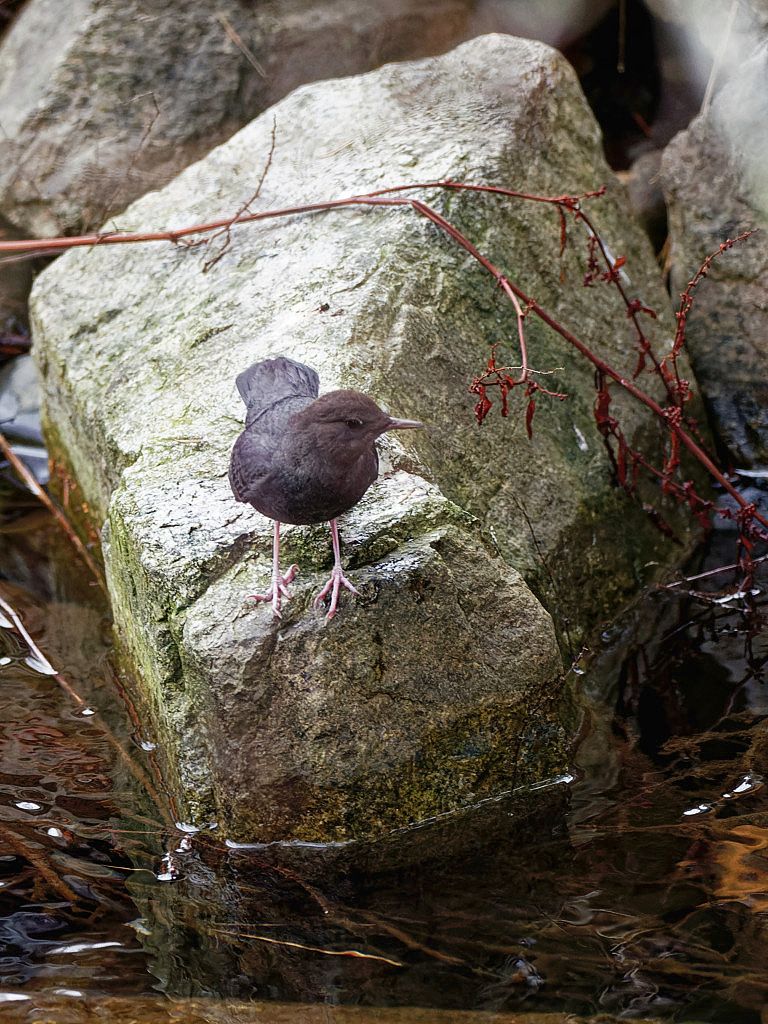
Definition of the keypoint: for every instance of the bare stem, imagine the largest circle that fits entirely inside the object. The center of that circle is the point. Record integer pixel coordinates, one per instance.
(508, 286)
(385, 197)
(28, 479)
(52, 245)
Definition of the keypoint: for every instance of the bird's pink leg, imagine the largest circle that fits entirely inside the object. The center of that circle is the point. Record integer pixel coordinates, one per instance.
(338, 579)
(279, 587)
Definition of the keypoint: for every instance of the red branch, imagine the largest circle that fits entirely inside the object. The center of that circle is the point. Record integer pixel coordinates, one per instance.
(678, 391)
(686, 297)
(369, 199)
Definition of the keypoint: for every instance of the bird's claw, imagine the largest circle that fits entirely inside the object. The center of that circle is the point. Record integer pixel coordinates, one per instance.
(336, 581)
(278, 590)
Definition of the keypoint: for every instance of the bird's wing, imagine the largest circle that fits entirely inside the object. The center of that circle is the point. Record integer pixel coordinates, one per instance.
(251, 461)
(260, 445)
(272, 380)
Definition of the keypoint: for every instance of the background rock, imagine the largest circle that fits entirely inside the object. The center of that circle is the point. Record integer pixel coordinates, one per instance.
(20, 399)
(716, 183)
(20, 416)
(707, 23)
(438, 687)
(557, 24)
(113, 100)
(15, 283)
(646, 196)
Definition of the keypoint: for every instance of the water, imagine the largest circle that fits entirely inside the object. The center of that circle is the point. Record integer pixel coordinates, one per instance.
(70, 830)
(636, 889)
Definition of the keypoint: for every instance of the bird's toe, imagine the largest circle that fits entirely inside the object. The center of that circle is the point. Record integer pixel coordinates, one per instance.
(336, 581)
(290, 574)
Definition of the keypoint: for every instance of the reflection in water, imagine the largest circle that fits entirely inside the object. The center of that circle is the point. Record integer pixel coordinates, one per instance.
(71, 830)
(636, 889)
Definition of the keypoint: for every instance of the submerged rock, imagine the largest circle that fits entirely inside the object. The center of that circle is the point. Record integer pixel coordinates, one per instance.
(441, 685)
(114, 99)
(716, 180)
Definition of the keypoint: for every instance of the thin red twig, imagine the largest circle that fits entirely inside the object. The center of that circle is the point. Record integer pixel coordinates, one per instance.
(28, 479)
(385, 198)
(367, 199)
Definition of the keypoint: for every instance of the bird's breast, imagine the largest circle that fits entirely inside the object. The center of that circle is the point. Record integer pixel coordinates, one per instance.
(316, 489)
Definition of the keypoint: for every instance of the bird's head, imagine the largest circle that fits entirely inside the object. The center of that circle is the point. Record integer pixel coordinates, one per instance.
(348, 421)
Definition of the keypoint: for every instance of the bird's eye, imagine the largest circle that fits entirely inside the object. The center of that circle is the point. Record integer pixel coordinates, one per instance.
(354, 423)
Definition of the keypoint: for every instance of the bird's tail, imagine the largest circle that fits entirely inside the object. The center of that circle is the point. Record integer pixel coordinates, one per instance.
(271, 380)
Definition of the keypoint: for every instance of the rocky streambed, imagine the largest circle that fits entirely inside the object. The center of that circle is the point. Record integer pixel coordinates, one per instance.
(432, 800)
(484, 556)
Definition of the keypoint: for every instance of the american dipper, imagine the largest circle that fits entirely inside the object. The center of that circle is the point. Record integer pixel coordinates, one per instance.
(303, 459)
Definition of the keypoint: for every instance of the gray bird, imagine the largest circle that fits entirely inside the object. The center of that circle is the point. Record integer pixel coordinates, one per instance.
(303, 459)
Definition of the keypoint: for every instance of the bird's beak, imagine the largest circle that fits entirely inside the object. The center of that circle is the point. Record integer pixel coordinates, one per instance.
(404, 425)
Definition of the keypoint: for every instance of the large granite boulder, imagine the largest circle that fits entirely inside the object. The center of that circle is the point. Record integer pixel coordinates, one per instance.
(114, 99)
(715, 179)
(440, 686)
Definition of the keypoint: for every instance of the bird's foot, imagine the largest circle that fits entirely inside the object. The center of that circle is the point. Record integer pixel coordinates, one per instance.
(278, 590)
(335, 583)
